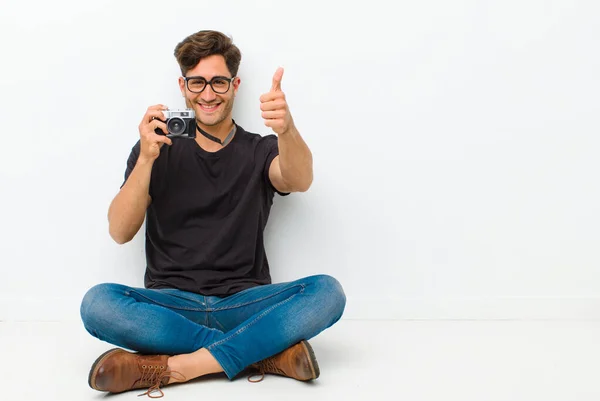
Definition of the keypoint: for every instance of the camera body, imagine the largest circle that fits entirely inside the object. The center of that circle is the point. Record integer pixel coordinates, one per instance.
(180, 123)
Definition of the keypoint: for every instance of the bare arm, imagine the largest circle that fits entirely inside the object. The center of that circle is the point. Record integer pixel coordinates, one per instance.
(292, 170)
(128, 209)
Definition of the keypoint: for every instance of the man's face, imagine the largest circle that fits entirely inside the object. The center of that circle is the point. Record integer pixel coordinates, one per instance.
(211, 108)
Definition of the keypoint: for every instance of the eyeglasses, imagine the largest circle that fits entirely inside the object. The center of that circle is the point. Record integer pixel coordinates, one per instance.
(219, 85)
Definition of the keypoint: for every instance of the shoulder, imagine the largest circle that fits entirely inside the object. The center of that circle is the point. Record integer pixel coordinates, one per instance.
(135, 151)
(253, 136)
(256, 140)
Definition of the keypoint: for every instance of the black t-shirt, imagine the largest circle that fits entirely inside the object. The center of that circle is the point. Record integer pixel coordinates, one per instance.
(204, 226)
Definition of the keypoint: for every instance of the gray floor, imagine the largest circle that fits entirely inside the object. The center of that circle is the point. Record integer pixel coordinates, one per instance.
(359, 360)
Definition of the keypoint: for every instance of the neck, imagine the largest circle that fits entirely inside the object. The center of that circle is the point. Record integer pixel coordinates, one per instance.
(220, 130)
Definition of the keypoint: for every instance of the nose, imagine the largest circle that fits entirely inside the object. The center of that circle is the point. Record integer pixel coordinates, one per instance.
(208, 95)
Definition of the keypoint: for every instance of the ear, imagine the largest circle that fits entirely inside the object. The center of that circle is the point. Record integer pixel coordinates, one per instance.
(182, 86)
(236, 84)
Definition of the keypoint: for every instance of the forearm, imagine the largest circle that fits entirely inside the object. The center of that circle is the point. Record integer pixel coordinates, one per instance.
(295, 160)
(128, 209)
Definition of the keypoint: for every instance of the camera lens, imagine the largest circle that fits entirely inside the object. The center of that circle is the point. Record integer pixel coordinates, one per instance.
(176, 126)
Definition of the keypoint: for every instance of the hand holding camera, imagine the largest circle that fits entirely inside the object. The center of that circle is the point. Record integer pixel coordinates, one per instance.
(160, 124)
(150, 142)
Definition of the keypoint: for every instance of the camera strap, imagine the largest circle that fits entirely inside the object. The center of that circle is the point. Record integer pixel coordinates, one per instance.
(215, 139)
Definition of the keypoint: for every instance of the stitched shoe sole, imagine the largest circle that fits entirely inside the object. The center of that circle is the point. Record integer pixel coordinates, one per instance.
(314, 366)
(96, 364)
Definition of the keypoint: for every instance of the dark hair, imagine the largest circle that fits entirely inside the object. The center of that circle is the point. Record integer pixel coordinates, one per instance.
(207, 43)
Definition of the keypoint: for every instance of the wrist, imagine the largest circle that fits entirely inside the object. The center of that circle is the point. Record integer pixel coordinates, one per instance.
(145, 160)
(290, 131)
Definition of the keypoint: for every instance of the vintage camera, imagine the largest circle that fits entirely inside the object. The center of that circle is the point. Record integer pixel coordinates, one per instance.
(180, 123)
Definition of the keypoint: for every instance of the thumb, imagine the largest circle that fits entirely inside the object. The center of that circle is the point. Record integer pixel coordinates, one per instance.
(277, 80)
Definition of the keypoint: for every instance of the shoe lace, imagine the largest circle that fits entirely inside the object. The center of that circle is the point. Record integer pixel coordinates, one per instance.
(266, 366)
(153, 376)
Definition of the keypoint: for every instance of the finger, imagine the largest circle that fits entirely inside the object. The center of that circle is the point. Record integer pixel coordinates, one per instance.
(158, 107)
(157, 124)
(277, 80)
(152, 115)
(270, 96)
(164, 139)
(278, 104)
(276, 114)
(275, 125)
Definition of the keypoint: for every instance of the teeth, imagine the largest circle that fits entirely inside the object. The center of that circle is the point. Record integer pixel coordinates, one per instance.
(209, 107)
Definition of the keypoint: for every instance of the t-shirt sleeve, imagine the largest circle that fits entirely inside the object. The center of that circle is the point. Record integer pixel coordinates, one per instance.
(271, 147)
(131, 161)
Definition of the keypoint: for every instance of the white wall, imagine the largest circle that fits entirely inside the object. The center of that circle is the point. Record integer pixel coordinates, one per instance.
(455, 144)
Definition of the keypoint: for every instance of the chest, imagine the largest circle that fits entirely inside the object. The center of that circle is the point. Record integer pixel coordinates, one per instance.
(186, 182)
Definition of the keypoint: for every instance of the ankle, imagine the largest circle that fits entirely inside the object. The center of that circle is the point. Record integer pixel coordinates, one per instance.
(176, 372)
(198, 363)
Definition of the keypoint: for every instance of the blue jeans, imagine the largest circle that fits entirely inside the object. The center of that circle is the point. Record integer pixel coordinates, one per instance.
(237, 330)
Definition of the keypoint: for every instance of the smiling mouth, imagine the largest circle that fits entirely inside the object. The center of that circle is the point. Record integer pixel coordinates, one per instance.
(209, 107)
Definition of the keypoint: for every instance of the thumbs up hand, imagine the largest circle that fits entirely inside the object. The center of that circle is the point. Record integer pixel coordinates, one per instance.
(274, 108)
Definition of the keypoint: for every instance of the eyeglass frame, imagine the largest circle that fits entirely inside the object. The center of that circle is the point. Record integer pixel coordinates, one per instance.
(207, 82)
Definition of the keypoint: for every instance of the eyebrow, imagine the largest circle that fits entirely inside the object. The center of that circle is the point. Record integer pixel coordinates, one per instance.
(206, 79)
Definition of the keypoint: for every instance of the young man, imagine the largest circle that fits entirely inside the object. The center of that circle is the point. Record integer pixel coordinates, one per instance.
(208, 305)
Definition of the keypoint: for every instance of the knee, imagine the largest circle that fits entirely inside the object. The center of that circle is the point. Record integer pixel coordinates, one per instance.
(96, 305)
(332, 298)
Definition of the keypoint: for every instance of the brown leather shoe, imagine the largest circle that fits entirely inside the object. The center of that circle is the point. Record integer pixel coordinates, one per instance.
(117, 370)
(297, 362)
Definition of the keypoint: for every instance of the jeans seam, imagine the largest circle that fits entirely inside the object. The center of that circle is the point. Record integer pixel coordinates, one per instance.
(168, 306)
(301, 285)
(256, 319)
(206, 312)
